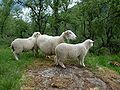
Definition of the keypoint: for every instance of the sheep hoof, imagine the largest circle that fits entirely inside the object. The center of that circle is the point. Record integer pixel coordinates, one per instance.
(64, 67)
(17, 59)
(83, 65)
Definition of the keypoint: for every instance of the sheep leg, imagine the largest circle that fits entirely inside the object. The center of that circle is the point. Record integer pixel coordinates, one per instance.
(56, 60)
(48, 56)
(36, 51)
(83, 62)
(79, 58)
(16, 57)
(61, 64)
(59, 61)
(80, 62)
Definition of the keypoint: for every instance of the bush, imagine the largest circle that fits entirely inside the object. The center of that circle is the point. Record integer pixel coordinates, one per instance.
(103, 51)
(115, 46)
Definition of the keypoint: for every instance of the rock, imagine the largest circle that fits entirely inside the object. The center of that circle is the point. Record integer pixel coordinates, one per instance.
(48, 77)
(95, 88)
(72, 78)
(61, 82)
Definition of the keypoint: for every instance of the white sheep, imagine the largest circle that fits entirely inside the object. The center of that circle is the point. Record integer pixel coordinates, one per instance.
(47, 43)
(24, 44)
(72, 51)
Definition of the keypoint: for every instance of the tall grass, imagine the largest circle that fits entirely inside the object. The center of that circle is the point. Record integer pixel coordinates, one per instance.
(12, 70)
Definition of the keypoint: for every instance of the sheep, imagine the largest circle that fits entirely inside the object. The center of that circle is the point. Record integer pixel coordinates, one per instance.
(72, 51)
(47, 43)
(24, 44)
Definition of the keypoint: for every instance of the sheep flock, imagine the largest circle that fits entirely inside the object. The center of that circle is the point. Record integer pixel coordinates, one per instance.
(53, 45)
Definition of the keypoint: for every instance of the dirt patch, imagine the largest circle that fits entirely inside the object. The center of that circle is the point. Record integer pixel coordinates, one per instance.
(109, 76)
(46, 76)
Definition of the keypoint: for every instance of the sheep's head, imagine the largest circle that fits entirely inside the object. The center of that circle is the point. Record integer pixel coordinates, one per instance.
(69, 35)
(90, 42)
(36, 34)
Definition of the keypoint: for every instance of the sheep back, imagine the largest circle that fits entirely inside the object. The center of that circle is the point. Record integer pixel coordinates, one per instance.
(47, 43)
(69, 50)
(22, 44)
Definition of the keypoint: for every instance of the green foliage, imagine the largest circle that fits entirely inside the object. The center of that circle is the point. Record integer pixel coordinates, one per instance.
(11, 70)
(98, 20)
(103, 51)
(94, 61)
(95, 19)
(115, 45)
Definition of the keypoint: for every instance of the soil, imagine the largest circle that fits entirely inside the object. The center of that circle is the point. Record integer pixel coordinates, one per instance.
(46, 76)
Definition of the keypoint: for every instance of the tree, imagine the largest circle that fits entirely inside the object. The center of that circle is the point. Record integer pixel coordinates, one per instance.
(6, 8)
(38, 15)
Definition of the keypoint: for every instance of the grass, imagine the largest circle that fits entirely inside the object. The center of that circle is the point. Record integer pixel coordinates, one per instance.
(11, 70)
(94, 61)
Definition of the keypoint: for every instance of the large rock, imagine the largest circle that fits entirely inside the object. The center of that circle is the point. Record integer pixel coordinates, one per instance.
(72, 78)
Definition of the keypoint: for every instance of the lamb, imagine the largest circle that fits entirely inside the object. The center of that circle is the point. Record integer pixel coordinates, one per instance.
(24, 44)
(72, 51)
(47, 43)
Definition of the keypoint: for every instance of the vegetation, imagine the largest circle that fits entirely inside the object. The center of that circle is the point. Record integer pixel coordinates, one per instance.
(11, 70)
(95, 19)
(103, 61)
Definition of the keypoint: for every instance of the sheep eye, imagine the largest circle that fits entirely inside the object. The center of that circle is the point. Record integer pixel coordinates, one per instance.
(69, 33)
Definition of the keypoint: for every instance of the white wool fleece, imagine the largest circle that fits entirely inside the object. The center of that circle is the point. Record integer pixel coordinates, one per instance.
(72, 51)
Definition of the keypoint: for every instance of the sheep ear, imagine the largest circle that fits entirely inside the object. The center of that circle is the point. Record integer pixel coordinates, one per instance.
(66, 33)
(91, 41)
(35, 35)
